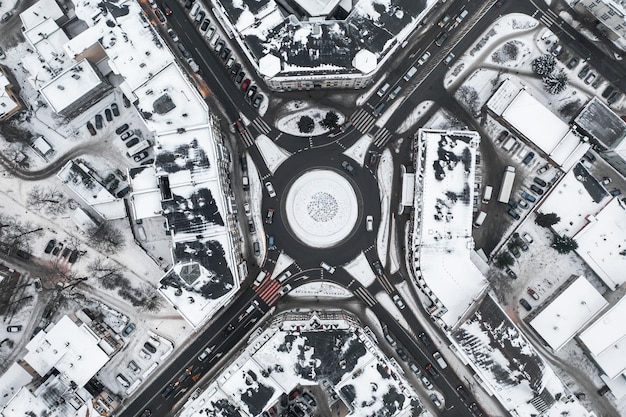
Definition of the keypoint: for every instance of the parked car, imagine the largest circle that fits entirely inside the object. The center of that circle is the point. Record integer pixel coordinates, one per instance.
(149, 347)
(144, 354)
(122, 380)
(426, 382)
(245, 84)
(284, 290)
(532, 293)
(251, 92)
(401, 354)
(513, 214)
(536, 189)
(123, 128)
(115, 109)
(126, 135)
(606, 180)
(525, 304)
(607, 91)
(50, 246)
(14, 329)
(132, 142)
(528, 238)
(523, 203)
(584, 71)
(235, 69)
(108, 115)
(515, 251)
(257, 101)
(240, 77)
(433, 397)
(416, 370)
(511, 273)
(528, 197)
(173, 35)
(529, 157)
(240, 127)
(225, 53)
(589, 78)
(6, 16)
(129, 329)
(539, 182)
(205, 25)
(140, 156)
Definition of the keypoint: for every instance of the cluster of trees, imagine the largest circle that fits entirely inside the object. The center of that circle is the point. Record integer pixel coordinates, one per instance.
(16, 235)
(49, 200)
(306, 124)
(553, 81)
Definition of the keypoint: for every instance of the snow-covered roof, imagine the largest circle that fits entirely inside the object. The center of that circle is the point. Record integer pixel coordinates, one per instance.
(548, 132)
(601, 123)
(304, 349)
(40, 11)
(79, 178)
(11, 381)
(72, 348)
(145, 198)
(602, 243)
(321, 46)
(8, 99)
(577, 196)
(71, 85)
(561, 319)
(83, 220)
(605, 340)
(510, 368)
(442, 233)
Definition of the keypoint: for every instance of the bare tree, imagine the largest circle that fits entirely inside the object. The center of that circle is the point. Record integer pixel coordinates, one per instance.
(49, 199)
(107, 238)
(108, 274)
(16, 235)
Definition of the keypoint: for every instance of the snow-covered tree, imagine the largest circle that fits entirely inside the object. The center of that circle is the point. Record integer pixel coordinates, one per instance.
(544, 64)
(555, 82)
(564, 244)
(306, 124)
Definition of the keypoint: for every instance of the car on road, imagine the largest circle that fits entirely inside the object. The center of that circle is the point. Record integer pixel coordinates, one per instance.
(183, 50)
(173, 35)
(398, 301)
(401, 354)
(5, 17)
(240, 127)
(441, 38)
(444, 20)
(284, 290)
(146, 413)
(270, 189)
(166, 9)
(426, 382)
(14, 329)
(433, 397)
(511, 273)
(347, 166)
(448, 59)
(424, 58)
(424, 338)
(525, 304)
(269, 218)
(606, 181)
(204, 354)
(532, 293)
(91, 129)
(432, 370)
(167, 391)
(369, 223)
(246, 209)
(129, 329)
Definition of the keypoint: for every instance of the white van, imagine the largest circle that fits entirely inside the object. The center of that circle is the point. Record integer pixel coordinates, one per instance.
(135, 149)
(195, 9)
(259, 278)
(282, 277)
(480, 219)
(442, 363)
(509, 144)
(487, 194)
(330, 269)
(410, 73)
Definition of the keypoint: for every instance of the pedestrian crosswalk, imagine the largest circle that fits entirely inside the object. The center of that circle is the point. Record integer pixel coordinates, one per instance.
(268, 291)
(248, 139)
(384, 281)
(381, 137)
(365, 296)
(261, 125)
(549, 18)
(362, 120)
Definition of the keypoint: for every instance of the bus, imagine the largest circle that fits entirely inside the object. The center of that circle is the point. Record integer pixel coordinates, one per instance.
(487, 194)
(507, 184)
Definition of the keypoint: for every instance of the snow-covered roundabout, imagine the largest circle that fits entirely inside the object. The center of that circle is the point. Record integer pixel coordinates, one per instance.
(322, 208)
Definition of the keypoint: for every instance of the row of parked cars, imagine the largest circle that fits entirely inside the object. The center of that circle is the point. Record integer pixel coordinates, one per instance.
(137, 149)
(108, 114)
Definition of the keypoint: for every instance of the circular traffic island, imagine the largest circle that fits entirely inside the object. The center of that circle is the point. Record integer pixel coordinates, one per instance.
(322, 208)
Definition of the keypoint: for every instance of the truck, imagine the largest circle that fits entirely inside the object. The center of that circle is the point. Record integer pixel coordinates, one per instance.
(487, 194)
(507, 184)
(480, 219)
(135, 149)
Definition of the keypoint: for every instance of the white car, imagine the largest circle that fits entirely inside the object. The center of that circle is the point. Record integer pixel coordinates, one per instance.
(396, 299)
(369, 223)
(284, 290)
(122, 380)
(424, 58)
(270, 189)
(246, 209)
(528, 238)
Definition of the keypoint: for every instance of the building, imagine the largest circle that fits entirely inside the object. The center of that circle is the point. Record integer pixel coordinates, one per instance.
(54, 376)
(513, 105)
(574, 306)
(10, 101)
(607, 130)
(610, 16)
(302, 45)
(441, 234)
(605, 343)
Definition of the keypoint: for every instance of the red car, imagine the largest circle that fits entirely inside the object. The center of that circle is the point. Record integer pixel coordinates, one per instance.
(245, 84)
(532, 293)
(167, 9)
(240, 127)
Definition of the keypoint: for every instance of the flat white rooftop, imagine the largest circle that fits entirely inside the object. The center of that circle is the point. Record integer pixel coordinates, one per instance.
(576, 306)
(606, 340)
(71, 85)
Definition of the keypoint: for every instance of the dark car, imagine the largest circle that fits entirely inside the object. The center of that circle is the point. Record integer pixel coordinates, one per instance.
(441, 38)
(513, 214)
(584, 71)
(525, 304)
(5, 17)
(309, 398)
(98, 121)
(240, 127)
(615, 192)
(132, 142)
(108, 115)
(240, 77)
(205, 25)
(529, 157)
(200, 16)
(251, 92)
(149, 347)
(539, 182)
(528, 197)
(245, 84)
(465, 396)
(607, 91)
(183, 50)
(257, 101)
(514, 250)
(140, 156)
(499, 3)
(123, 128)
(66, 252)
(432, 370)
(269, 219)
(115, 109)
(475, 409)
(50, 246)
(235, 69)
(402, 354)
(189, 3)
(536, 189)
(424, 338)
(74, 256)
(573, 63)
(122, 193)
(379, 268)
(614, 97)
(225, 53)
(511, 273)
(91, 129)
(167, 391)
(167, 9)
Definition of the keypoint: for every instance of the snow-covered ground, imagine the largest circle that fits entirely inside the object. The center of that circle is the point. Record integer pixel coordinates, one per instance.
(288, 123)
